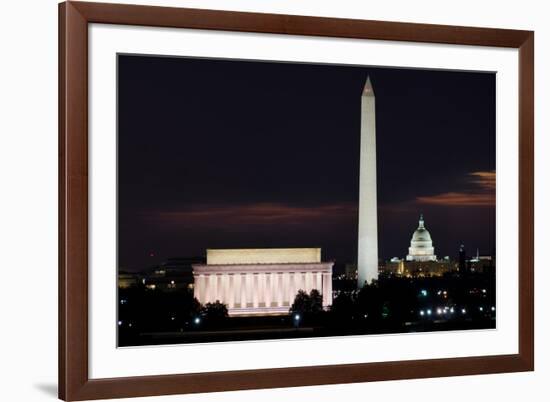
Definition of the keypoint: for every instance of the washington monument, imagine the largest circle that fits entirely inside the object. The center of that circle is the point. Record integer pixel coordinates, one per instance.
(367, 258)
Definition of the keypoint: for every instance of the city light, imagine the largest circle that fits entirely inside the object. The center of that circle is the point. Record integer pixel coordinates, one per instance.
(424, 292)
(463, 311)
(119, 323)
(452, 310)
(493, 308)
(296, 320)
(439, 311)
(481, 309)
(422, 312)
(197, 320)
(429, 312)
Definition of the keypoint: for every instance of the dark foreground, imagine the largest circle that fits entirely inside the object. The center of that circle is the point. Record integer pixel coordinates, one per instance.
(282, 329)
(393, 305)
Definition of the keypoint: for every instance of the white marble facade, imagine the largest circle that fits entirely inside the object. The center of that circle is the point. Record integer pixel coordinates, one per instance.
(261, 288)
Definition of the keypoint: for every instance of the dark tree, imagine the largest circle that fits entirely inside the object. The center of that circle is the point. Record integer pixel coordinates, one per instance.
(370, 301)
(215, 312)
(307, 304)
(316, 301)
(301, 303)
(189, 307)
(343, 306)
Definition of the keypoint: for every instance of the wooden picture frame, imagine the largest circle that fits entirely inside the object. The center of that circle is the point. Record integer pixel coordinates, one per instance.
(74, 381)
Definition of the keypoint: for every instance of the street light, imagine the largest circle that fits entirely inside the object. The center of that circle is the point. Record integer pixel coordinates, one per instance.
(296, 320)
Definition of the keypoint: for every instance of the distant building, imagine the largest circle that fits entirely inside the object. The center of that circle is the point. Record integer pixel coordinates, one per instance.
(481, 263)
(421, 260)
(462, 260)
(261, 281)
(420, 269)
(172, 274)
(421, 248)
(477, 264)
(394, 267)
(350, 271)
(417, 269)
(127, 280)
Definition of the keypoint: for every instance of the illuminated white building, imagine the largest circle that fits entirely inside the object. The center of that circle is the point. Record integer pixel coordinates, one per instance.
(421, 248)
(367, 258)
(261, 281)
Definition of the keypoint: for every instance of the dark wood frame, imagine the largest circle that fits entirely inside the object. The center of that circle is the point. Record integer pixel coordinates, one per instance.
(74, 383)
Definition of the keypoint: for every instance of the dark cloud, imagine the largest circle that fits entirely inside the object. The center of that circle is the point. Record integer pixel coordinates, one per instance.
(483, 194)
(255, 214)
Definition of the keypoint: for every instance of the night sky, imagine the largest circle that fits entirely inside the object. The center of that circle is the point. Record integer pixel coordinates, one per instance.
(239, 154)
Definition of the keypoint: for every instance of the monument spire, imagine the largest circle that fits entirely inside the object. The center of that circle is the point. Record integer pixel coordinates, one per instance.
(367, 256)
(367, 89)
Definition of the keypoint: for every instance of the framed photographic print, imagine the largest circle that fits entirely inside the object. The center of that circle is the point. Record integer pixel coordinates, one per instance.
(258, 201)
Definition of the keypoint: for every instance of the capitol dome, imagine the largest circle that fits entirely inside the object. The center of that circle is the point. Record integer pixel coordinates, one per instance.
(421, 248)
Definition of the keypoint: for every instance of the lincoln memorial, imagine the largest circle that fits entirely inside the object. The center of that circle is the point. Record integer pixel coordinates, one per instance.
(261, 281)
